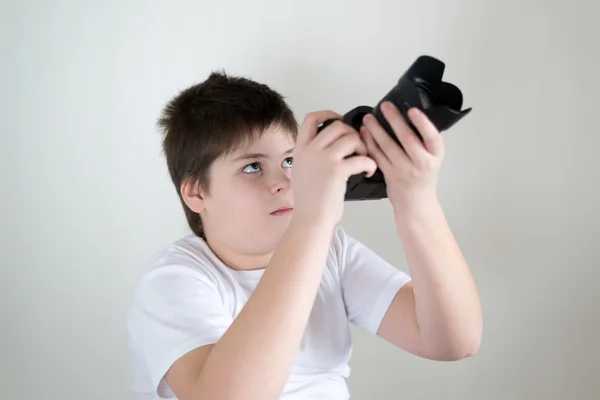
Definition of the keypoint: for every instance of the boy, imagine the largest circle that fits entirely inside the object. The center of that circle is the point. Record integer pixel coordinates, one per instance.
(256, 303)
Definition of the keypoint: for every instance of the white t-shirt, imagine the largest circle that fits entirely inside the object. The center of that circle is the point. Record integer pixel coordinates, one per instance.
(188, 298)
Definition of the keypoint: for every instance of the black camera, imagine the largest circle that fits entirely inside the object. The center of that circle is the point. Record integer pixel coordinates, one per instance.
(420, 86)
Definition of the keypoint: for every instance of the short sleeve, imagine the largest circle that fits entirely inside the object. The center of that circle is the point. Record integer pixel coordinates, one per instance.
(176, 309)
(369, 283)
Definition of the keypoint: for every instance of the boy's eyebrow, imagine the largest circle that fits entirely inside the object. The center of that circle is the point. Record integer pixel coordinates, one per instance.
(247, 156)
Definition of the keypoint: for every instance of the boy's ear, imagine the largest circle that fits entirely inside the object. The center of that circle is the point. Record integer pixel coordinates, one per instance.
(192, 195)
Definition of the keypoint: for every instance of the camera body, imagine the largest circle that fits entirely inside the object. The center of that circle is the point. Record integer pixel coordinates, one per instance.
(420, 86)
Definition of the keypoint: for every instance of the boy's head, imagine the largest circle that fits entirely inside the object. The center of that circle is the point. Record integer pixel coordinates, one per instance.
(226, 142)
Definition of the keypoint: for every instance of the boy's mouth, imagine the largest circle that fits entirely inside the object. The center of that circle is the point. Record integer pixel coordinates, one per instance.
(283, 211)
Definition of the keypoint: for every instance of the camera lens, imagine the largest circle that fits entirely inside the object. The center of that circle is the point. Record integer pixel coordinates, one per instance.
(420, 86)
(428, 97)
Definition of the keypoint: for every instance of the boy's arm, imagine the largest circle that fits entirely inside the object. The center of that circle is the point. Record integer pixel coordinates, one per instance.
(254, 357)
(438, 314)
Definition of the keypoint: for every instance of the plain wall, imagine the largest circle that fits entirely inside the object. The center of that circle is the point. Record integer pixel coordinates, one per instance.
(86, 198)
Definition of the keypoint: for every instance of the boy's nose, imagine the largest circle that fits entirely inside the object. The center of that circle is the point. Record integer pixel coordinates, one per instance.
(280, 183)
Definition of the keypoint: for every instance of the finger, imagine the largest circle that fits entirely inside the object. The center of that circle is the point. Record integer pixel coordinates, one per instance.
(308, 128)
(432, 140)
(408, 138)
(347, 145)
(374, 151)
(358, 164)
(383, 140)
(331, 134)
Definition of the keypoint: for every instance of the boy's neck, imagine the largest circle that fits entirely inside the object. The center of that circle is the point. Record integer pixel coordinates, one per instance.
(237, 260)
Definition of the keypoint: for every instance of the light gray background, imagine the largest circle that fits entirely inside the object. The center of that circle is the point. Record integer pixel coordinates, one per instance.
(86, 197)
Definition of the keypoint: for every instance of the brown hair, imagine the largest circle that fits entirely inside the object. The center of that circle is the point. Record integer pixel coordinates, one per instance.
(212, 118)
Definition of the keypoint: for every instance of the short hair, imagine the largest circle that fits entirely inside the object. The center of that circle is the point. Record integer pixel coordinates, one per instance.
(212, 118)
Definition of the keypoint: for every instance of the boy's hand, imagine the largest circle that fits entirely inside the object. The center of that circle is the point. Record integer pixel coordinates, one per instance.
(410, 173)
(321, 168)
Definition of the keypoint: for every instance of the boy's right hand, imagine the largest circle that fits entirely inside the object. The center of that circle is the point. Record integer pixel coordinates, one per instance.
(321, 169)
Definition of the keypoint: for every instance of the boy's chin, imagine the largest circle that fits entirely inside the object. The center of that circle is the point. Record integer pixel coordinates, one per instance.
(268, 240)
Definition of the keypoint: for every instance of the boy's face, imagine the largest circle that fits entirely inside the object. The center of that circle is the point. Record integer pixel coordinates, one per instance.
(247, 187)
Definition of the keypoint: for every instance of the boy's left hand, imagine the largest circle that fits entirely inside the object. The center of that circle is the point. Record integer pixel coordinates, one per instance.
(410, 173)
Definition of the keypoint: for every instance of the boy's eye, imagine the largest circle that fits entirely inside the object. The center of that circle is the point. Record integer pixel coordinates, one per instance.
(288, 162)
(251, 168)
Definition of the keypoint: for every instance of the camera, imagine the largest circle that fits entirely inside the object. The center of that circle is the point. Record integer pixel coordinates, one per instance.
(420, 86)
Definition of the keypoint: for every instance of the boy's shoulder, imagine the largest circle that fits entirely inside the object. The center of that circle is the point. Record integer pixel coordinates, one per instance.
(190, 255)
(186, 248)
(193, 251)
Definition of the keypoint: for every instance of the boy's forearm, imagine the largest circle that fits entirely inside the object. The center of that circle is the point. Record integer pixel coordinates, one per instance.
(254, 357)
(446, 300)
